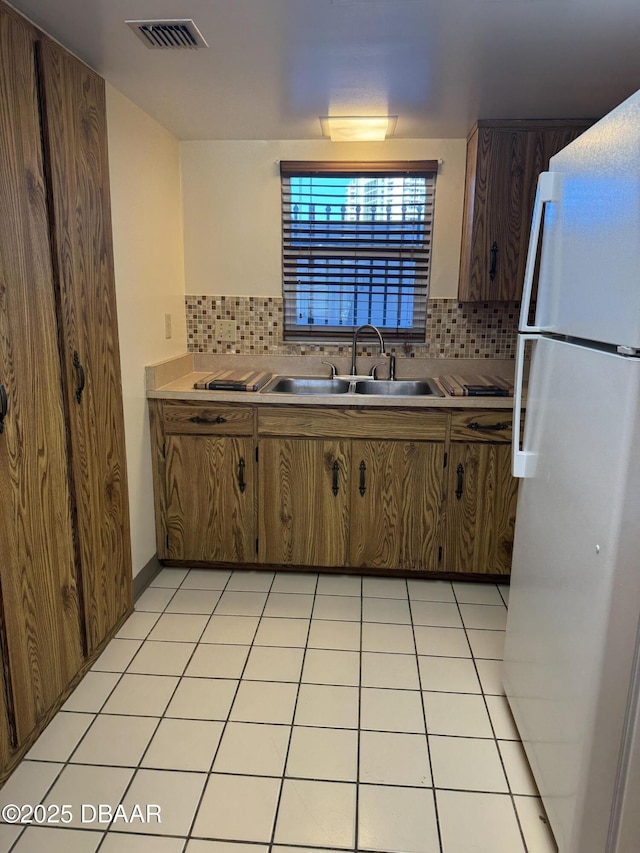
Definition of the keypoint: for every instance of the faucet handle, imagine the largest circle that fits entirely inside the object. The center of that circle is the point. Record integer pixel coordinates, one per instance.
(372, 373)
(334, 369)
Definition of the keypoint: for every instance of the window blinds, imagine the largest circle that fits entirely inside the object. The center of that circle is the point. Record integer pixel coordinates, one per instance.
(356, 241)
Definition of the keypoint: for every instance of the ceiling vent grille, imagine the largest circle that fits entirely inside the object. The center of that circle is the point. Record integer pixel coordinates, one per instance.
(168, 35)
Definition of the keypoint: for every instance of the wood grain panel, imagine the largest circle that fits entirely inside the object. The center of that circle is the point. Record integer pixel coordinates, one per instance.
(41, 613)
(353, 423)
(301, 520)
(464, 283)
(159, 476)
(480, 524)
(499, 212)
(482, 425)
(79, 207)
(192, 417)
(504, 160)
(208, 516)
(7, 737)
(547, 141)
(395, 523)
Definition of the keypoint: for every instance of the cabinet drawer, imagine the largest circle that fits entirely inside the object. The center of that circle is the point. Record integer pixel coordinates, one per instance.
(493, 426)
(195, 418)
(352, 423)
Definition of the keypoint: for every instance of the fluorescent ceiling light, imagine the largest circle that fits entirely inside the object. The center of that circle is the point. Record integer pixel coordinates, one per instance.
(358, 128)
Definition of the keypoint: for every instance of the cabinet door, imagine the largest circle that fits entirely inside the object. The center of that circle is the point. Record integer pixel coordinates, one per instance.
(495, 215)
(503, 164)
(75, 146)
(396, 498)
(7, 737)
(39, 619)
(543, 145)
(304, 502)
(210, 498)
(480, 508)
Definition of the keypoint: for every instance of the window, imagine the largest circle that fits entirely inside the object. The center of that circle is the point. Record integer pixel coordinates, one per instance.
(356, 247)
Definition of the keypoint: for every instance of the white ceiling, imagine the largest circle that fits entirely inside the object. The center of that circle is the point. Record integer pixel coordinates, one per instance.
(274, 66)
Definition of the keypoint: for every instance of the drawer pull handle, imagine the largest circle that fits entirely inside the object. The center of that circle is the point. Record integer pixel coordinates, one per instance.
(198, 420)
(489, 427)
(4, 405)
(460, 489)
(241, 481)
(363, 472)
(81, 377)
(493, 268)
(335, 468)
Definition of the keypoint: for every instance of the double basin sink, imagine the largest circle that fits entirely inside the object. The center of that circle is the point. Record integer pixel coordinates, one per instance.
(302, 385)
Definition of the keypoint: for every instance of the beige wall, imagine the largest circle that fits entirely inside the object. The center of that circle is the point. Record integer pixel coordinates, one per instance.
(228, 185)
(146, 203)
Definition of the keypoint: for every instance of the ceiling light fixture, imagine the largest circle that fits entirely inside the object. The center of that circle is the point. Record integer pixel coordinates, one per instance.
(358, 128)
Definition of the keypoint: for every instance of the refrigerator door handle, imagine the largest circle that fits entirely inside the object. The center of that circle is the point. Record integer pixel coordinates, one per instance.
(522, 460)
(548, 190)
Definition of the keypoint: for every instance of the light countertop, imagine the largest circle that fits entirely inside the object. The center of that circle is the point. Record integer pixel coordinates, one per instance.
(174, 380)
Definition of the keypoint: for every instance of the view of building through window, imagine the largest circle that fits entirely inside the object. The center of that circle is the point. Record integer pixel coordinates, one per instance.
(356, 249)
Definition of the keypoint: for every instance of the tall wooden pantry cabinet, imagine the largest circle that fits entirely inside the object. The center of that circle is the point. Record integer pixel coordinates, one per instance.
(65, 554)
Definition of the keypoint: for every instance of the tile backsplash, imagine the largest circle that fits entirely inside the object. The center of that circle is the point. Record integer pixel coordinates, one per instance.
(454, 329)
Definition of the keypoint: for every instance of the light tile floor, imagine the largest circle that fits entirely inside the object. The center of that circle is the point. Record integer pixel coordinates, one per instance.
(281, 713)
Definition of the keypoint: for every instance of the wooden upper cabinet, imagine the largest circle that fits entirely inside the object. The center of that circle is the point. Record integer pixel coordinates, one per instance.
(504, 160)
(75, 144)
(40, 624)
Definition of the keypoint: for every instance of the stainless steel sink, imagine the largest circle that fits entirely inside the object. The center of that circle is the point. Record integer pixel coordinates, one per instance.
(384, 387)
(307, 385)
(398, 387)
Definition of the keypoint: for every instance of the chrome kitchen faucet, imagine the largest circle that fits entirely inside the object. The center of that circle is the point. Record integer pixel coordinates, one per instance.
(354, 344)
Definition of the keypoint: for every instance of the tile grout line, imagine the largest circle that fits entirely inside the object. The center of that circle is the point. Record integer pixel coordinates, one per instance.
(96, 715)
(226, 722)
(276, 813)
(68, 762)
(356, 829)
(199, 642)
(139, 767)
(426, 730)
(493, 729)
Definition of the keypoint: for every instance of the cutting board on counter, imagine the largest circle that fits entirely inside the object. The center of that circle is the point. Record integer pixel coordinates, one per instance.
(234, 380)
(477, 386)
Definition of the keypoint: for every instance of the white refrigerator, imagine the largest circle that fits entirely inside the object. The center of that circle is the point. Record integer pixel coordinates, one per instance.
(572, 654)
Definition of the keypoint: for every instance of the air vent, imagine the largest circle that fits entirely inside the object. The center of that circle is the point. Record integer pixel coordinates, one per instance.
(168, 35)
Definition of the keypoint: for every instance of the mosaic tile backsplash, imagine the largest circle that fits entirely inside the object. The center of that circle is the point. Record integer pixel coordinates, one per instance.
(454, 329)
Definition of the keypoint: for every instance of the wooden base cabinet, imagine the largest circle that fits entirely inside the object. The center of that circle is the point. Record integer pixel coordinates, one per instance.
(481, 494)
(65, 560)
(304, 501)
(360, 504)
(396, 498)
(379, 490)
(204, 469)
(210, 487)
(347, 497)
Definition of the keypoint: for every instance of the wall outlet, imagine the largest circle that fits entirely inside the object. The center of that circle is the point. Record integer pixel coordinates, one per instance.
(167, 326)
(225, 330)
